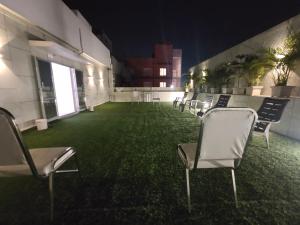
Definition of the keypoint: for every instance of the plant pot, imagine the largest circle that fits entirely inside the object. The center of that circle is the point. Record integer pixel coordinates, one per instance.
(226, 90)
(254, 90)
(213, 90)
(238, 91)
(282, 91)
(91, 108)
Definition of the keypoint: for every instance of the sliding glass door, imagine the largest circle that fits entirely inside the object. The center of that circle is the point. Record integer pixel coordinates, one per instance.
(63, 89)
(80, 89)
(59, 92)
(47, 93)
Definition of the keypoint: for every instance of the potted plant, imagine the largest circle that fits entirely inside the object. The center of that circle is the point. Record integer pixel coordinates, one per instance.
(223, 74)
(212, 81)
(199, 79)
(248, 68)
(239, 69)
(282, 62)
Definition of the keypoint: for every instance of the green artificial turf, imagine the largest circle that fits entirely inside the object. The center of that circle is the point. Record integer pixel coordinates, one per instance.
(132, 174)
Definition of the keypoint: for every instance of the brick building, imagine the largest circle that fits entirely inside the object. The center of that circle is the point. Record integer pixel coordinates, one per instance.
(161, 70)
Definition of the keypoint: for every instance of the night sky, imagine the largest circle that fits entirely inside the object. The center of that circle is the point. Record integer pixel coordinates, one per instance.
(200, 28)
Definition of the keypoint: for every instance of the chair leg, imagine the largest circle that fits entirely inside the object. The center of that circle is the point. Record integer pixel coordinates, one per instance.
(267, 133)
(188, 189)
(78, 167)
(51, 195)
(234, 188)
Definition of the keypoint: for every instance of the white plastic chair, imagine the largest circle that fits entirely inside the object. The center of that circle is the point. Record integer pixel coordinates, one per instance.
(223, 137)
(155, 98)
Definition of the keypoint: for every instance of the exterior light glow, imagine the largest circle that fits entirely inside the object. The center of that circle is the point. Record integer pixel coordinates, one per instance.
(172, 86)
(90, 69)
(279, 56)
(100, 77)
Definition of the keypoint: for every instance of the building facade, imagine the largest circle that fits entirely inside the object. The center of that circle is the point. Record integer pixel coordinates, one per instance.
(161, 70)
(51, 63)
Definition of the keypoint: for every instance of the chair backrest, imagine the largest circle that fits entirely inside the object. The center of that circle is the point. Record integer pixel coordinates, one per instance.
(224, 133)
(12, 148)
(272, 109)
(195, 95)
(187, 96)
(209, 100)
(222, 101)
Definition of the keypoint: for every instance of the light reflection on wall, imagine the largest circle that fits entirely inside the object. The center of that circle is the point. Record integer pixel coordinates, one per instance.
(90, 69)
(2, 64)
(91, 81)
(100, 77)
(7, 78)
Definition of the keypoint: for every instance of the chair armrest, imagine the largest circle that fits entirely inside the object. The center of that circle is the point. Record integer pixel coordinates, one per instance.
(203, 104)
(266, 121)
(193, 103)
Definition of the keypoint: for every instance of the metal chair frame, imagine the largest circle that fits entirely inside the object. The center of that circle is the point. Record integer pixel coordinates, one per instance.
(31, 164)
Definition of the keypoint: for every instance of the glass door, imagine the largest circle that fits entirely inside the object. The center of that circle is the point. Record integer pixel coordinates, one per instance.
(61, 89)
(47, 92)
(80, 89)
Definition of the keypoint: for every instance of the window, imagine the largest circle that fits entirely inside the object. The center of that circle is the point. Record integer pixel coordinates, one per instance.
(147, 72)
(162, 71)
(162, 84)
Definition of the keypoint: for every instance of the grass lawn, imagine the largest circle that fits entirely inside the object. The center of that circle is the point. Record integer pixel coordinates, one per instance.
(132, 175)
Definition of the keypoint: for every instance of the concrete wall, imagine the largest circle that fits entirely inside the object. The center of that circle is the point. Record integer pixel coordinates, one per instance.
(273, 37)
(146, 94)
(18, 83)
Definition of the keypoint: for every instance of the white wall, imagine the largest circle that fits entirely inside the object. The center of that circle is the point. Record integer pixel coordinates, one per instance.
(18, 83)
(273, 37)
(127, 96)
(56, 18)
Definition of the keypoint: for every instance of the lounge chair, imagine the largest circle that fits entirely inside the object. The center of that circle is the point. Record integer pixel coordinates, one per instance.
(201, 105)
(17, 160)
(188, 102)
(179, 99)
(218, 146)
(269, 113)
(222, 103)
